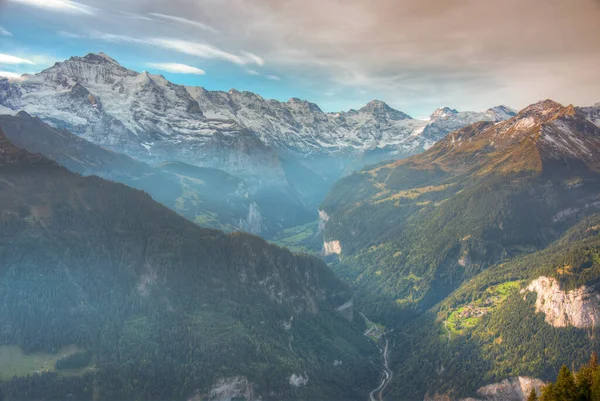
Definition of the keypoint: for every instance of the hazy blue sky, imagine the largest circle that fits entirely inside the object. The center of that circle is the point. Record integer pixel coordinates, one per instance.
(415, 55)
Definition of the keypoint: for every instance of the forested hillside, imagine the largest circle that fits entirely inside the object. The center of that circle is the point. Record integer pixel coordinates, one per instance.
(490, 329)
(207, 196)
(583, 385)
(412, 231)
(480, 256)
(167, 309)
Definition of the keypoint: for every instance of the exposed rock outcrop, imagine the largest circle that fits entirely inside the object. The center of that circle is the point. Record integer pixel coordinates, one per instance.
(323, 219)
(511, 389)
(298, 380)
(332, 248)
(346, 310)
(579, 308)
(227, 389)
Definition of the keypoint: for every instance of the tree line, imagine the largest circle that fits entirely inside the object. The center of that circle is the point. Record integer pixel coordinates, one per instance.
(583, 385)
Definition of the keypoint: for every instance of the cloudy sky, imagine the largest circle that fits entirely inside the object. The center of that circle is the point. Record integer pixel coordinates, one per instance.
(415, 55)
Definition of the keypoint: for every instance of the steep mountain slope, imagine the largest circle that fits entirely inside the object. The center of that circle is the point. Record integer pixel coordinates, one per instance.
(146, 116)
(287, 153)
(150, 118)
(168, 310)
(524, 318)
(208, 196)
(446, 120)
(414, 230)
(69, 150)
(301, 127)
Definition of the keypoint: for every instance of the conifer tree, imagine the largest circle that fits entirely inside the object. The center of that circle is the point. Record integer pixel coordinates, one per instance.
(548, 393)
(532, 395)
(565, 388)
(583, 380)
(595, 389)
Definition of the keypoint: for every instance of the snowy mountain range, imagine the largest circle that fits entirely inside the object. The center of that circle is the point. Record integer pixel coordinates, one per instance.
(288, 154)
(152, 119)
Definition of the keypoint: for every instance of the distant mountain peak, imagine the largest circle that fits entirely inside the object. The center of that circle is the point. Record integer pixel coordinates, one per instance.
(537, 136)
(381, 109)
(377, 104)
(501, 112)
(107, 57)
(304, 104)
(443, 112)
(100, 57)
(91, 67)
(502, 107)
(24, 114)
(542, 107)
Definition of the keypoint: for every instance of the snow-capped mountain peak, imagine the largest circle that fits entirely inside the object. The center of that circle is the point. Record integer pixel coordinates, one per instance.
(92, 68)
(501, 112)
(107, 58)
(381, 110)
(148, 117)
(443, 112)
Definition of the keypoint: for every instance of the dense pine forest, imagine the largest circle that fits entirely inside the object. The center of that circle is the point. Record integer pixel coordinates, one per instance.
(583, 385)
(156, 307)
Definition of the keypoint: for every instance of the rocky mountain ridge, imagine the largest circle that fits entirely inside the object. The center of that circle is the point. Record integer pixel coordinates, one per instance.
(289, 153)
(147, 117)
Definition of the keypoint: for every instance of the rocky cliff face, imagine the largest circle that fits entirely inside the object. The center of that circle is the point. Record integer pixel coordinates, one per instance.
(579, 308)
(332, 248)
(293, 146)
(512, 389)
(150, 118)
(446, 120)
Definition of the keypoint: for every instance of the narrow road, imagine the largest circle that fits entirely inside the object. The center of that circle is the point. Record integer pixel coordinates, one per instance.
(448, 331)
(377, 393)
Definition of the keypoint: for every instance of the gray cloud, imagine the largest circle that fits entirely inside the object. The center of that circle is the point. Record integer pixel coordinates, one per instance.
(418, 55)
(466, 52)
(196, 49)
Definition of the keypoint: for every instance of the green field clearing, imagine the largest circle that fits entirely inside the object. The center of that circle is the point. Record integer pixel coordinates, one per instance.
(14, 362)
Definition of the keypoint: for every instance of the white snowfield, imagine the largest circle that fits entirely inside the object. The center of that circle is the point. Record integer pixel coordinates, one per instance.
(148, 117)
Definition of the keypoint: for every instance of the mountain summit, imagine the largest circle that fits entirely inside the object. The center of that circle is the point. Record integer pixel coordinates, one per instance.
(382, 111)
(541, 133)
(147, 117)
(443, 112)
